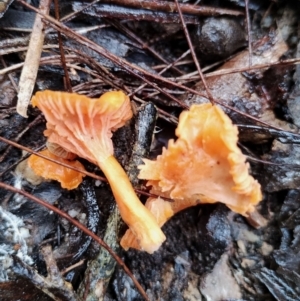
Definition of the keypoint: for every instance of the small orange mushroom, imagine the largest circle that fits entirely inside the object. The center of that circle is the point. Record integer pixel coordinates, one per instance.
(204, 165)
(84, 126)
(59, 151)
(68, 178)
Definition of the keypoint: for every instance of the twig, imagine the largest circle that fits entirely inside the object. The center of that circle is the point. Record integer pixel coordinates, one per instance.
(54, 274)
(280, 165)
(112, 11)
(163, 114)
(288, 62)
(267, 12)
(191, 46)
(31, 65)
(62, 53)
(74, 14)
(167, 6)
(282, 136)
(73, 266)
(248, 31)
(9, 75)
(100, 269)
(11, 68)
(161, 72)
(6, 50)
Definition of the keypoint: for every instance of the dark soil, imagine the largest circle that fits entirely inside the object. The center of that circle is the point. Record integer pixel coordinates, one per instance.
(210, 253)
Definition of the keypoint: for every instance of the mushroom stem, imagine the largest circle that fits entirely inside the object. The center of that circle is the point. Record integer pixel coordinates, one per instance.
(139, 219)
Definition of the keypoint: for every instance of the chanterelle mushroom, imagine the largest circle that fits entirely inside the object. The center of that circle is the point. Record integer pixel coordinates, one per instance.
(68, 178)
(84, 126)
(204, 165)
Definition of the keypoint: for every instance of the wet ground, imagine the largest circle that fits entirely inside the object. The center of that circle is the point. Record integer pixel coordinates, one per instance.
(210, 253)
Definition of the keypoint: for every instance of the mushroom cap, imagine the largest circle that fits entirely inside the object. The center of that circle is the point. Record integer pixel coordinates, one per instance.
(68, 178)
(204, 164)
(83, 125)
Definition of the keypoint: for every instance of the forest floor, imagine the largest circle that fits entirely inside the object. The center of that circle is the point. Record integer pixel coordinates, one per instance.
(248, 57)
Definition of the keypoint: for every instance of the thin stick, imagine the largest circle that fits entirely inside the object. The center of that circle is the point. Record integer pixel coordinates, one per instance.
(168, 6)
(9, 75)
(191, 46)
(73, 266)
(61, 49)
(161, 72)
(248, 31)
(288, 62)
(75, 13)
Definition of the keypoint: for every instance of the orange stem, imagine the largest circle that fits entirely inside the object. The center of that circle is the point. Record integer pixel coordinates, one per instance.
(139, 219)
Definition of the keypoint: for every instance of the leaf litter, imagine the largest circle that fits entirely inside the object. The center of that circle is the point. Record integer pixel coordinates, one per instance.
(209, 249)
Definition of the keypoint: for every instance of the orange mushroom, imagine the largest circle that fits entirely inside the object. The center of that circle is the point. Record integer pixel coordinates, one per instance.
(204, 165)
(59, 151)
(84, 126)
(68, 178)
